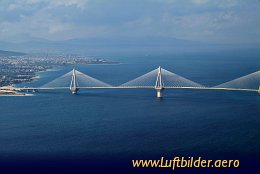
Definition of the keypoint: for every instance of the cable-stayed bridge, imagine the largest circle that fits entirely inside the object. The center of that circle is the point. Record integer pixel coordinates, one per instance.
(158, 79)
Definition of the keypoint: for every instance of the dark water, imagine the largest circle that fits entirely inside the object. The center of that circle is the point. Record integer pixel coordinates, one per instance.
(57, 130)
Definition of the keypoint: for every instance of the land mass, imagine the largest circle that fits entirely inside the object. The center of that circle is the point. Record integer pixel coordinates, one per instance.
(10, 53)
(141, 45)
(23, 68)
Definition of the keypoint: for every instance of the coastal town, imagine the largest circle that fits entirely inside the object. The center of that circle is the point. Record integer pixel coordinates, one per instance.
(19, 69)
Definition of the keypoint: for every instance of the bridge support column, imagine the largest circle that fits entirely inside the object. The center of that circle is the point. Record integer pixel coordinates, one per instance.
(258, 90)
(74, 90)
(159, 86)
(73, 84)
(159, 93)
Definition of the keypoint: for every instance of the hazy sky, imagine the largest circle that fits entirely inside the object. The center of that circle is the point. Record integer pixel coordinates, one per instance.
(222, 21)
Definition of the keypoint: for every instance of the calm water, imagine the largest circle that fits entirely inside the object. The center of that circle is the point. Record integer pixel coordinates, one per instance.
(131, 124)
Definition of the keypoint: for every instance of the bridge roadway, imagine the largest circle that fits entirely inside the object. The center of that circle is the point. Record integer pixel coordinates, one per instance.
(135, 87)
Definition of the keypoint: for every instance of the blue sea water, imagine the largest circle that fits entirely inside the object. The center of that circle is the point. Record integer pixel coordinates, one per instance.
(111, 125)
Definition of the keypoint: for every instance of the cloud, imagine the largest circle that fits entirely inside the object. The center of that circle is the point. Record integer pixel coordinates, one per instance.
(199, 1)
(143, 20)
(22, 4)
(78, 3)
(202, 20)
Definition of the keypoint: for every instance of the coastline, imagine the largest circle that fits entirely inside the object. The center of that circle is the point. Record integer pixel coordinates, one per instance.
(16, 95)
(11, 91)
(36, 76)
(5, 93)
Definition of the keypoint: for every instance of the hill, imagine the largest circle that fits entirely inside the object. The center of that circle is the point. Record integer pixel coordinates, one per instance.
(10, 53)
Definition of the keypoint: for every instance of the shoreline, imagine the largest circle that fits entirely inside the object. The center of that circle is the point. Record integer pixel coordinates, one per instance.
(36, 77)
(16, 95)
(12, 92)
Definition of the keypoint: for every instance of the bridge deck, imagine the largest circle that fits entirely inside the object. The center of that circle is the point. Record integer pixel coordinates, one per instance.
(135, 87)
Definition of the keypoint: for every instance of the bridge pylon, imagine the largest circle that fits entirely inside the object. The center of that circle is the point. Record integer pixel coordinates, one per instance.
(159, 86)
(73, 84)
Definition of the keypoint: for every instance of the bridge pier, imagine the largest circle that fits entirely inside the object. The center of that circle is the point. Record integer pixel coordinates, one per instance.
(159, 92)
(258, 90)
(74, 90)
(73, 84)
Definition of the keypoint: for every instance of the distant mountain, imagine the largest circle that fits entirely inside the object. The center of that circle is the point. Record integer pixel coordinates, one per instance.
(121, 45)
(10, 53)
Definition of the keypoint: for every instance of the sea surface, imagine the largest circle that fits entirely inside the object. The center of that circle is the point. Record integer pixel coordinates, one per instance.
(104, 129)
